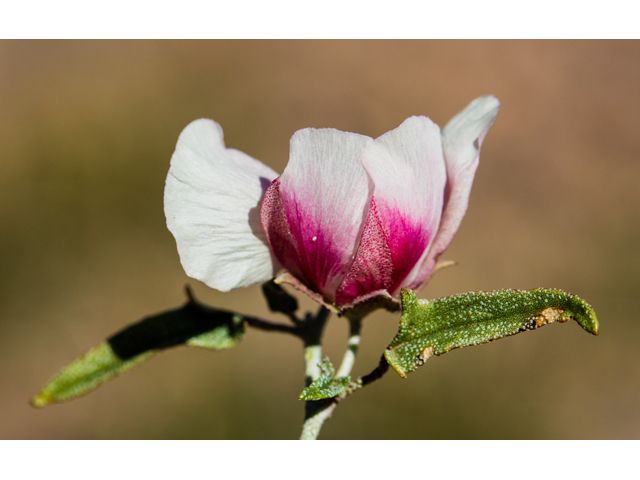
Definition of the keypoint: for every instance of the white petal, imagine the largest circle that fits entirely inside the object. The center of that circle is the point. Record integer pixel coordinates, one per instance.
(463, 135)
(212, 204)
(325, 195)
(408, 170)
(461, 140)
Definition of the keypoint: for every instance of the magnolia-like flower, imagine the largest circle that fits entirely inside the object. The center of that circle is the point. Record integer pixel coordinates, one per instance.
(351, 219)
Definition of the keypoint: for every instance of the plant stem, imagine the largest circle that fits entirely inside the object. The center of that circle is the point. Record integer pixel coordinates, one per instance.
(269, 326)
(311, 331)
(355, 325)
(317, 412)
(324, 408)
(255, 322)
(312, 359)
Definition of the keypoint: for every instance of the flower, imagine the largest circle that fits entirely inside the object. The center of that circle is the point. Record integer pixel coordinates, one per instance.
(351, 219)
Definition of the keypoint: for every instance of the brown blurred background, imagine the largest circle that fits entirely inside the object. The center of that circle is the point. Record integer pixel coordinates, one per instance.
(87, 130)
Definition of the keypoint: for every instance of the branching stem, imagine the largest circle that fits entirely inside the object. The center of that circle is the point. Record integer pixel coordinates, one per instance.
(310, 330)
(317, 412)
(321, 410)
(270, 326)
(255, 322)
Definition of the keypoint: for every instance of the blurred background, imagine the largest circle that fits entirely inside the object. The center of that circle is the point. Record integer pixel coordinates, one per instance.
(87, 129)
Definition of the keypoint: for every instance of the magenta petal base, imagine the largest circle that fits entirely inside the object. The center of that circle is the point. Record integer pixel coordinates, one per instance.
(356, 309)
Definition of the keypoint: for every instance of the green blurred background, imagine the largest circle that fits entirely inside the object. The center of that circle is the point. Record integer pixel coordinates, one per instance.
(87, 129)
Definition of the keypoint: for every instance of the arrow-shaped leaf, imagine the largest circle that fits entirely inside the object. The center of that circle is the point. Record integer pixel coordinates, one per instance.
(193, 324)
(326, 385)
(434, 327)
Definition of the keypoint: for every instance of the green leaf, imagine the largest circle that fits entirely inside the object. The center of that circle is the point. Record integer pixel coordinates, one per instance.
(85, 374)
(325, 386)
(221, 338)
(435, 327)
(193, 324)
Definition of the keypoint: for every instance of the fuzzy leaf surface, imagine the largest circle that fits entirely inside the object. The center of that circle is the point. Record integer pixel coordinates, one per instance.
(326, 385)
(437, 326)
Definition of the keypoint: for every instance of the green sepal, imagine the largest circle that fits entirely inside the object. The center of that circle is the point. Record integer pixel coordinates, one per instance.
(193, 324)
(326, 385)
(435, 327)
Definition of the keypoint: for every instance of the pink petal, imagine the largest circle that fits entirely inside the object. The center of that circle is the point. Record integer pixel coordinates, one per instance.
(275, 224)
(314, 213)
(372, 268)
(461, 139)
(407, 168)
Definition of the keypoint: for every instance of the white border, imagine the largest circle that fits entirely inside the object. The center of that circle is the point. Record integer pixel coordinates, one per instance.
(318, 19)
(319, 460)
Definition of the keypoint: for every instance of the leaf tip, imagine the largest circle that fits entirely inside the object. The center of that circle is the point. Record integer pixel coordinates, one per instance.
(590, 322)
(595, 325)
(595, 328)
(40, 401)
(584, 315)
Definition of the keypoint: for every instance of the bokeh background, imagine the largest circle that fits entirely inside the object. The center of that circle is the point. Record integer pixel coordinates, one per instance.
(87, 129)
